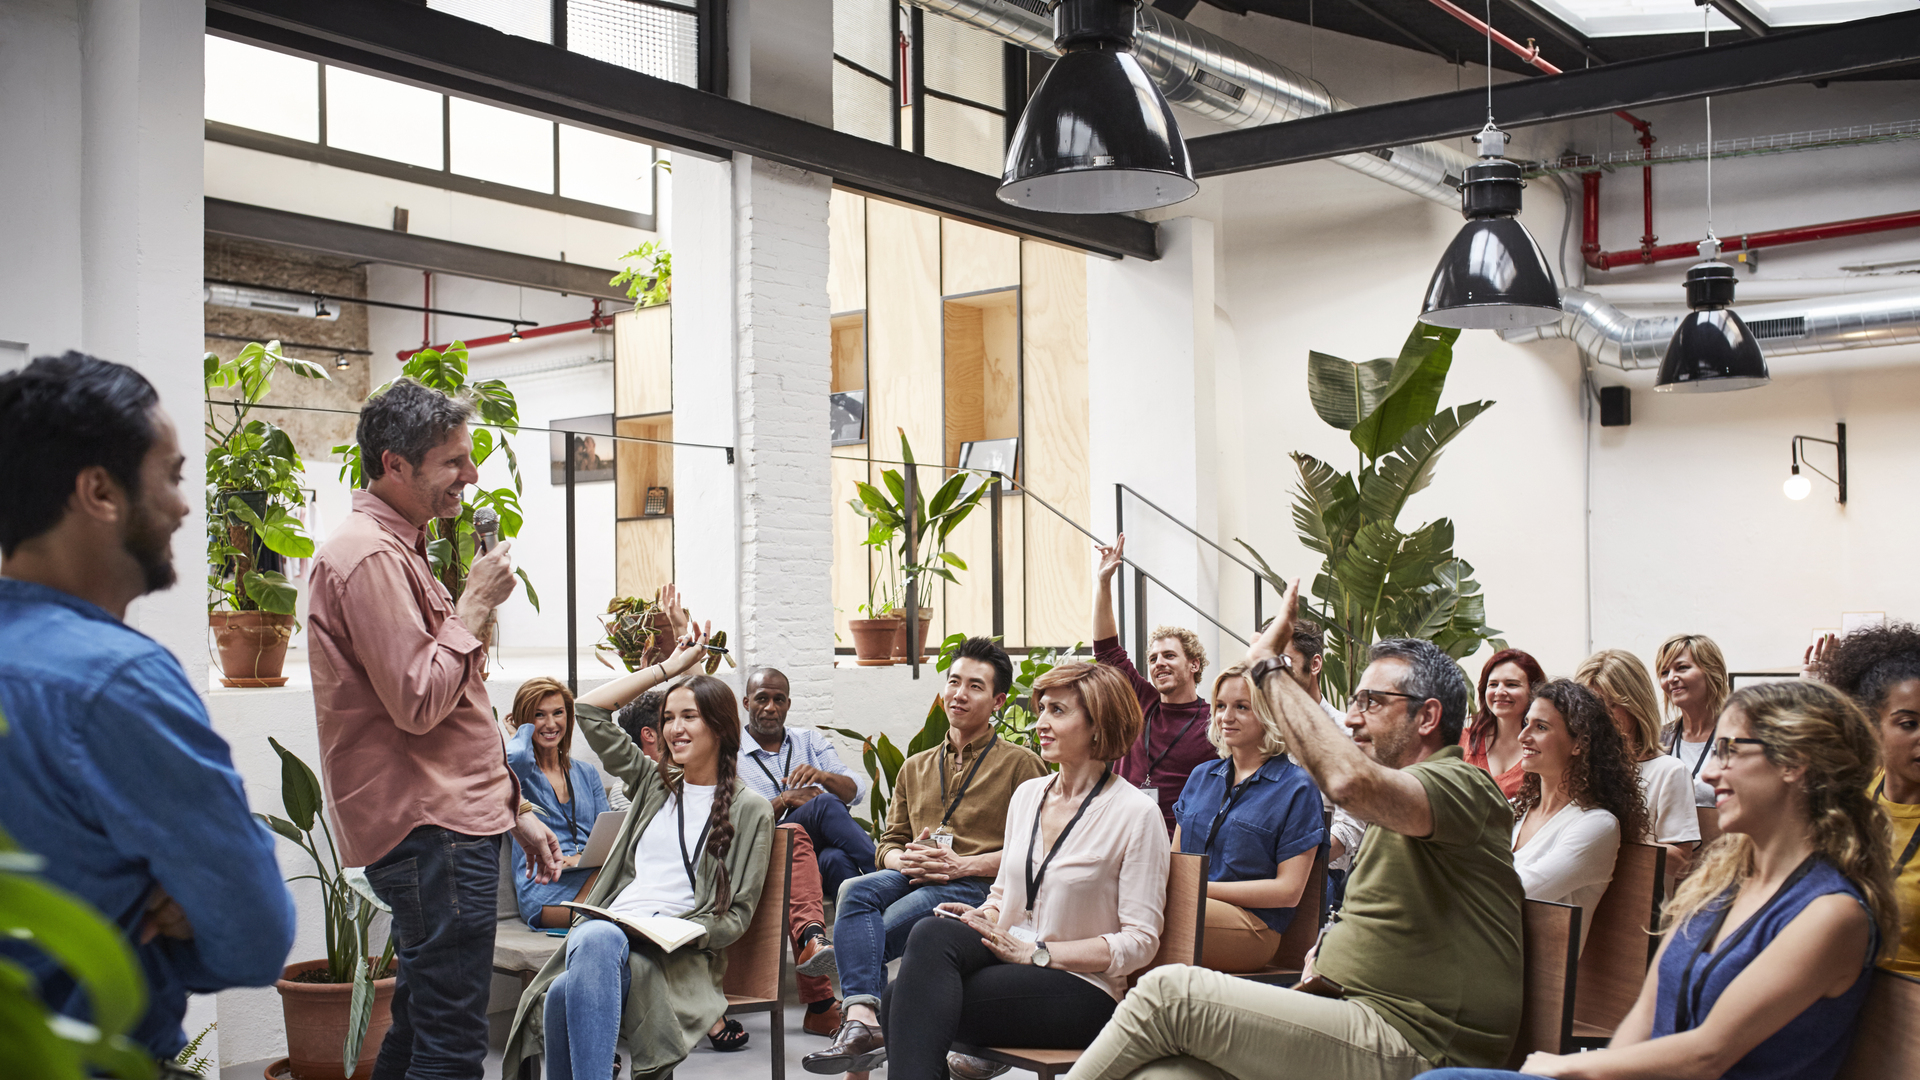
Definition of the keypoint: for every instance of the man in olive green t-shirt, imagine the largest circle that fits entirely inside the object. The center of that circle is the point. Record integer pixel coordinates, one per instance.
(1425, 954)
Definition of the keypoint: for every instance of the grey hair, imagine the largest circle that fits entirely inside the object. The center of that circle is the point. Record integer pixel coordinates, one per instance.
(408, 419)
(1431, 674)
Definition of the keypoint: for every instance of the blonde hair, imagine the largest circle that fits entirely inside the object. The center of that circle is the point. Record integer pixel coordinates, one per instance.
(1619, 678)
(528, 698)
(1814, 726)
(1113, 710)
(1272, 742)
(1189, 643)
(1708, 658)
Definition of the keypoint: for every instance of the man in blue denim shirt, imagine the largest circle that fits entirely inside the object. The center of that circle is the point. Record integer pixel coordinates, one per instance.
(109, 766)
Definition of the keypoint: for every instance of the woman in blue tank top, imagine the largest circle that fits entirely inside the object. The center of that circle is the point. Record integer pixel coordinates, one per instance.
(1771, 942)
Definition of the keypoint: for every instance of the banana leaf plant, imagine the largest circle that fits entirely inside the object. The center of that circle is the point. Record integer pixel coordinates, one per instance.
(347, 900)
(1377, 580)
(934, 520)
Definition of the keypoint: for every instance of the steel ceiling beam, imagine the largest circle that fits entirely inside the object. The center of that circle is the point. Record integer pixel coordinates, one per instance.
(1743, 17)
(443, 52)
(1793, 56)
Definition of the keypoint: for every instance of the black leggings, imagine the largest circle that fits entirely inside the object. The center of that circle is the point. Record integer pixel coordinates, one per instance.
(950, 987)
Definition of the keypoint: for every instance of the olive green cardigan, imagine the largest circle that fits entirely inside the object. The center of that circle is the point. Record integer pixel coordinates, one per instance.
(675, 997)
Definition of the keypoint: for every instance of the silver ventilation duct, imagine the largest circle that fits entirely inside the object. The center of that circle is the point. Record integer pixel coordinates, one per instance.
(1225, 83)
(1607, 335)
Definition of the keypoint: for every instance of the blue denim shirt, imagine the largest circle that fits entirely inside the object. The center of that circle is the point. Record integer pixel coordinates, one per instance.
(1278, 817)
(111, 770)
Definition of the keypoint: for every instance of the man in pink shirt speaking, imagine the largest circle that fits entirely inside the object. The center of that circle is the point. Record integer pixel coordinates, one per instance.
(413, 762)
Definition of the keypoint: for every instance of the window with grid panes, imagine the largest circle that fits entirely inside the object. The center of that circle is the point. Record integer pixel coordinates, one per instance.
(964, 95)
(865, 59)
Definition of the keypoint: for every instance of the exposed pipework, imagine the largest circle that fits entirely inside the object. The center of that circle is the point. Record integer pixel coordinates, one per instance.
(1607, 335)
(1224, 83)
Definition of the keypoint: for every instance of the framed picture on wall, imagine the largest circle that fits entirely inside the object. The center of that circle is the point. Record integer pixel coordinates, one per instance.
(989, 455)
(592, 449)
(848, 409)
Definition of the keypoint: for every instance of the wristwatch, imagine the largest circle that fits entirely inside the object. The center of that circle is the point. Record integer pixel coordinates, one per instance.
(1257, 674)
(1041, 957)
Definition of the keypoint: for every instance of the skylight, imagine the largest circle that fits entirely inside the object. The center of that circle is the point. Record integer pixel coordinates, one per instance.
(1625, 18)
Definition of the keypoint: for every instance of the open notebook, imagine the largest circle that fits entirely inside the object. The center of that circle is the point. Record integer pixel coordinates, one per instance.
(663, 930)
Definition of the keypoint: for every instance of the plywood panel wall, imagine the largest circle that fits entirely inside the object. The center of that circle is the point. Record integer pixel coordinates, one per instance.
(903, 332)
(638, 465)
(1059, 559)
(850, 559)
(967, 608)
(643, 361)
(643, 555)
(973, 259)
(965, 362)
(847, 252)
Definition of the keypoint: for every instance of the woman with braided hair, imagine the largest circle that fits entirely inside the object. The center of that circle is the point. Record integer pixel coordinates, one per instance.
(695, 846)
(1879, 667)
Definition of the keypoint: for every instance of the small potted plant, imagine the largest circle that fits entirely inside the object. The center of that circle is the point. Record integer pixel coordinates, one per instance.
(254, 478)
(339, 1008)
(933, 522)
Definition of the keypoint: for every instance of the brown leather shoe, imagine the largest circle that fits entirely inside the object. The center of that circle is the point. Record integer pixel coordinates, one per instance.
(824, 1023)
(815, 958)
(857, 1047)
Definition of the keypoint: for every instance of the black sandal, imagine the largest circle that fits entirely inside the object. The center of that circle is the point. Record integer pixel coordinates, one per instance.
(732, 1037)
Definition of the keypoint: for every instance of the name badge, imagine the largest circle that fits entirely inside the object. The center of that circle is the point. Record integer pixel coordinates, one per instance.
(1023, 933)
(1150, 791)
(943, 837)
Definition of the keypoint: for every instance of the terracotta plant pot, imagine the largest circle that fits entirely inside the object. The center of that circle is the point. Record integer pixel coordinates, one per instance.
(253, 646)
(873, 640)
(316, 1015)
(900, 636)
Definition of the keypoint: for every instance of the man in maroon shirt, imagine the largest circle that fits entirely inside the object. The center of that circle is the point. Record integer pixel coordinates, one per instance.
(1174, 739)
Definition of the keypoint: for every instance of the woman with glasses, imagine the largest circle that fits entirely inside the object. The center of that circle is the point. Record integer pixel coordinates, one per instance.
(1257, 818)
(1770, 943)
(1693, 679)
(1620, 681)
(1580, 796)
(1492, 737)
(1879, 667)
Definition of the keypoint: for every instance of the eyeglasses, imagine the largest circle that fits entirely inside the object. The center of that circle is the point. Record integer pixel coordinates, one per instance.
(1368, 702)
(1725, 748)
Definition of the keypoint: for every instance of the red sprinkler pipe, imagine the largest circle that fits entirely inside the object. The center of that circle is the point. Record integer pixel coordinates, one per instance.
(596, 322)
(1531, 54)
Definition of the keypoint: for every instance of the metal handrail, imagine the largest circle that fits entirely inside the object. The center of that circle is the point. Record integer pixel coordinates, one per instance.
(1120, 492)
(1197, 535)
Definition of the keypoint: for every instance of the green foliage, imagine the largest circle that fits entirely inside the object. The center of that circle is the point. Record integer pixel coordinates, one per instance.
(347, 901)
(933, 522)
(648, 275)
(1377, 580)
(191, 1059)
(450, 542)
(250, 455)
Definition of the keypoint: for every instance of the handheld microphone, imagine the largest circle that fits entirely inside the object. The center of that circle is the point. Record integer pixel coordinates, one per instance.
(486, 529)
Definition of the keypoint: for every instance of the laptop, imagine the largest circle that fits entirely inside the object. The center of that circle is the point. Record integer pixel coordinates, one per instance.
(600, 840)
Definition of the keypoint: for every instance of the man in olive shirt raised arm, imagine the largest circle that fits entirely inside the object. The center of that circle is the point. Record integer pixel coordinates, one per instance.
(942, 844)
(1421, 968)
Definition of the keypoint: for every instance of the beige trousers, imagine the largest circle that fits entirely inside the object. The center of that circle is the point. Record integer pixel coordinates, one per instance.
(1236, 940)
(1187, 1023)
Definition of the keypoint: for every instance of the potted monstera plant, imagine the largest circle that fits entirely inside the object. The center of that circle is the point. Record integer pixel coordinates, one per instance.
(254, 488)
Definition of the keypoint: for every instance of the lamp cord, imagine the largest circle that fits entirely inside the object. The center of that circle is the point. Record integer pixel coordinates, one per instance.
(1489, 63)
(1706, 41)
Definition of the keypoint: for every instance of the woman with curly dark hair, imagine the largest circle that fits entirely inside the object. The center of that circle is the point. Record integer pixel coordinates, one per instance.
(1879, 667)
(1581, 794)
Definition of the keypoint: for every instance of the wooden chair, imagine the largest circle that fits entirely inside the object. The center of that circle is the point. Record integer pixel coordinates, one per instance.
(1182, 934)
(1621, 945)
(1290, 959)
(1887, 1042)
(1551, 940)
(1709, 826)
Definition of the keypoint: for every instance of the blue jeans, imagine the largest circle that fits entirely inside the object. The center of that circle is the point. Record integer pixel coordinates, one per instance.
(530, 896)
(1473, 1074)
(584, 1004)
(875, 914)
(842, 848)
(442, 886)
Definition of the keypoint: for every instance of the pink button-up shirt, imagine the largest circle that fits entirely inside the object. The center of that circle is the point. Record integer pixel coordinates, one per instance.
(407, 735)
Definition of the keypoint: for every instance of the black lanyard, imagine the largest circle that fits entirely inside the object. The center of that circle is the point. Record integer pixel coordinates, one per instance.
(1227, 800)
(786, 768)
(964, 784)
(1686, 1001)
(1704, 750)
(687, 861)
(1913, 842)
(1034, 880)
(1146, 739)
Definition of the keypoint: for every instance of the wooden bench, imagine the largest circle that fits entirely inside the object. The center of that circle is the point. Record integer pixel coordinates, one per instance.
(1551, 943)
(1887, 1042)
(1183, 932)
(1621, 944)
(1709, 827)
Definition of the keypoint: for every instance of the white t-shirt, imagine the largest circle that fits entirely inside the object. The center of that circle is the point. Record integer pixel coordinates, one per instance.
(659, 885)
(1570, 860)
(1690, 756)
(1345, 827)
(1668, 793)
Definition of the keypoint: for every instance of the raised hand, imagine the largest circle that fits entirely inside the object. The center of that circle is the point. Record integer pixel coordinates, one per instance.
(1111, 558)
(691, 651)
(1816, 656)
(1273, 640)
(677, 617)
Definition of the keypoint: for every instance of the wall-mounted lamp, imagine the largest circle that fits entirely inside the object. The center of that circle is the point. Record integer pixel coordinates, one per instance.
(341, 363)
(515, 335)
(1799, 487)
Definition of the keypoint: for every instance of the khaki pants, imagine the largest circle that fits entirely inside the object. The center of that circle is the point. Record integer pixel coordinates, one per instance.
(1187, 1023)
(1236, 940)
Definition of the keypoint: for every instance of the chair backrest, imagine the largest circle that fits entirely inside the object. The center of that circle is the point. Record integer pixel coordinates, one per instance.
(1304, 930)
(1551, 943)
(1887, 1041)
(754, 961)
(1184, 925)
(1709, 825)
(1613, 966)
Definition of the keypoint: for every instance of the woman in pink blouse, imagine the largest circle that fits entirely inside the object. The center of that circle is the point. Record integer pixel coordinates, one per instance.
(1076, 908)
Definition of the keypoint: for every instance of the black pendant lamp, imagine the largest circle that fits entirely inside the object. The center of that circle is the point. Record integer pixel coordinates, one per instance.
(1097, 137)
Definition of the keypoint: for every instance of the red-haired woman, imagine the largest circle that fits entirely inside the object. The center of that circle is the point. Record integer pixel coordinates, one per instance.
(1492, 737)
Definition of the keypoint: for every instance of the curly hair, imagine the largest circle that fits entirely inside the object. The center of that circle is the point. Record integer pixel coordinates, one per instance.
(1189, 644)
(1480, 729)
(722, 717)
(1602, 774)
(1810, 724)
(1871, 661)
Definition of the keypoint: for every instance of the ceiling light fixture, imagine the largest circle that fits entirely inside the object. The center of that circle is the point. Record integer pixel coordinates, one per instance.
(341, 363)
(1097, 137)
(1798, 487)
(1494, 275)
(515, 334)
(1712, 350)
